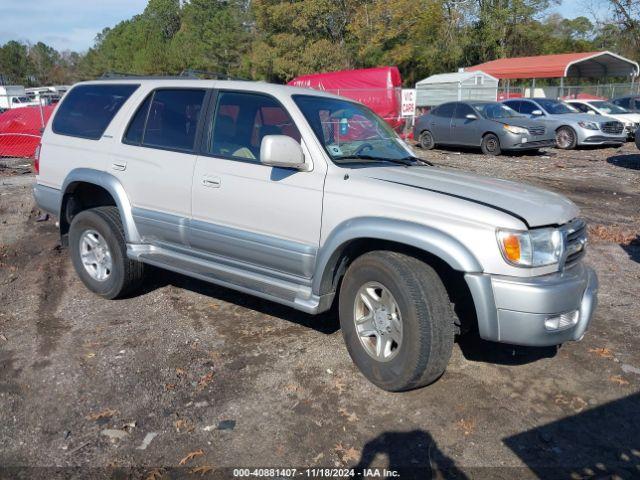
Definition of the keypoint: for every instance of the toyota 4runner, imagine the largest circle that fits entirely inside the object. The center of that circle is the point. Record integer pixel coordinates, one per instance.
(309, 199)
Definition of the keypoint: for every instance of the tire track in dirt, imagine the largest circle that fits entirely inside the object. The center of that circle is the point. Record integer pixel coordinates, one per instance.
(49, 326)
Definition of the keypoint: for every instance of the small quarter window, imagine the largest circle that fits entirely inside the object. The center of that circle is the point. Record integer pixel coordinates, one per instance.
(136, 127)
(87, 110)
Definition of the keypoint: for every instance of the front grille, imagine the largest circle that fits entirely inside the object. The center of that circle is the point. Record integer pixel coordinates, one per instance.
(575, 234)
(612, 128)
(536, 130)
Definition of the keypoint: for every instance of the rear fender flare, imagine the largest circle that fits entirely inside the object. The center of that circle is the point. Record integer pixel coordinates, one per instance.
(112, 185)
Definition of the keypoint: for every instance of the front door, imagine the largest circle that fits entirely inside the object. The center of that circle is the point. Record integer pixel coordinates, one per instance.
(155, 163)
(465, 131)
(243, 211)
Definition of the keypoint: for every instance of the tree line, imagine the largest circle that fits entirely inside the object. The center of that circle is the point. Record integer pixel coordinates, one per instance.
(276, 40)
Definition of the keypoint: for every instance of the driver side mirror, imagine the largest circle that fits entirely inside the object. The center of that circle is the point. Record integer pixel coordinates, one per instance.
(537, 113)
(591, 112)
(470, 116)
(281, 151)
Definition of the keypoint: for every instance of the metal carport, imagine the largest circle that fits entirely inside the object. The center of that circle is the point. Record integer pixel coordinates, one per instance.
(564, 65)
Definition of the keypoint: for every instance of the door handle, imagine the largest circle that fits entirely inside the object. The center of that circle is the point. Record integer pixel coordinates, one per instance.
(119, 166)
(211, 182)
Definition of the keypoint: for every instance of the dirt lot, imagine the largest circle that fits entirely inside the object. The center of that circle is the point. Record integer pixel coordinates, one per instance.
(218, 379)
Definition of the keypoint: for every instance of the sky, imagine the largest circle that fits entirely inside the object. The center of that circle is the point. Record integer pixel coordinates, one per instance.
(73, 24)
(63, 24)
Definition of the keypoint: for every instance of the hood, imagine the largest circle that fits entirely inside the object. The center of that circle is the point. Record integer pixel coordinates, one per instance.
(519, 122)
(582, 117)
(534, 206)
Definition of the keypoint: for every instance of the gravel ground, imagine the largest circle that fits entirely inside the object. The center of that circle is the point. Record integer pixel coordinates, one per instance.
(189, 379)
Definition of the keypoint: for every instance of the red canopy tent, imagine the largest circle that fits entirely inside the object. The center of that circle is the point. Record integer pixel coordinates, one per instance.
(21, 130)
(378, 88)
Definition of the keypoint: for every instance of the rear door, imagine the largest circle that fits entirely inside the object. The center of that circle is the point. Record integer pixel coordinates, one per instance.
(440, 122)
(155, 162)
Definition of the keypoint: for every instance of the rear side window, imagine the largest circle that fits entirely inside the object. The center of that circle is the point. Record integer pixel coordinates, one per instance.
(87, 110)
(514, 104)
(445, 111)
(167, 119)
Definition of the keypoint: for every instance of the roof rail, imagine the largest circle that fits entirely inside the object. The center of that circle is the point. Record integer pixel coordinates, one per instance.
(191, 73)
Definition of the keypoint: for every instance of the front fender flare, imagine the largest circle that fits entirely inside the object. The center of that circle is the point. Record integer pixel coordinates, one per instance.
(430, 240)
(112, 185)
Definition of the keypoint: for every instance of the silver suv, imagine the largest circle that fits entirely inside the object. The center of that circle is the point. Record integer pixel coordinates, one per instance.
(310, 200)
(572, 127)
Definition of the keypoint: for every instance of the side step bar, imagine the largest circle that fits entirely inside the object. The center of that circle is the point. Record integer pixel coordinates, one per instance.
(261, 285)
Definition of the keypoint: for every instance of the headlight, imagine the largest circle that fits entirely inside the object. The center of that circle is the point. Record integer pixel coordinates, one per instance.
(589, 125)
(516, 130)
(531, 248)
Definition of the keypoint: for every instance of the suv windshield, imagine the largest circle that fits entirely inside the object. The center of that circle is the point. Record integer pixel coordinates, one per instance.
(555, 107)
(607, 107)
(495, 110)
(350, 132)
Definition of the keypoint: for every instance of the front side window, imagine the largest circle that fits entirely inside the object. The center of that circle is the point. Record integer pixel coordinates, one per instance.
(528, 108)
(609, 108)
(462, 110)
(581, 107)
(242, 120)
(495, 110)
(350, 132)
(555, 107)
(87, 110)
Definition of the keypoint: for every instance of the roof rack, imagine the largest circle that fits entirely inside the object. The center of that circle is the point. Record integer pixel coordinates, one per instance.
(189, 74)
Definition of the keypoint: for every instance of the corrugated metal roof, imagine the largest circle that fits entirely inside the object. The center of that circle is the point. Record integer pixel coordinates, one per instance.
(586, 64)
(452, 77)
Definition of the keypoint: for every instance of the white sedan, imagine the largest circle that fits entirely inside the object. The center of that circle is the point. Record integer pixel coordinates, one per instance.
(630, 119)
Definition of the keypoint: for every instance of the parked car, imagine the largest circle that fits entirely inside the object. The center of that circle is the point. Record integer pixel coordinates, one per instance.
(630, 102)
(14, 96)
(492, 126)
(571, 127)
(630, 119)
(310, 199)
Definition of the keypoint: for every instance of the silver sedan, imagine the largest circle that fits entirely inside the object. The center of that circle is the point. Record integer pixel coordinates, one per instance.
(492, 126)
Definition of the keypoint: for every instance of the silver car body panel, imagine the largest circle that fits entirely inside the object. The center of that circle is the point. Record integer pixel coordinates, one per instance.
(448, 214)
(584, 136)
(469, 132)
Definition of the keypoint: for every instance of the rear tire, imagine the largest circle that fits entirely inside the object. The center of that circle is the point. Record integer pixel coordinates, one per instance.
(426, 140)
(490, 145)
(419, 329)
(99, 253)
(566, 138)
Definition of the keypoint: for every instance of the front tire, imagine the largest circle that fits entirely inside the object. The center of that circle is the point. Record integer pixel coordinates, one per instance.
(396, 320)
(99, 253)
(490, 145)
(566, 138)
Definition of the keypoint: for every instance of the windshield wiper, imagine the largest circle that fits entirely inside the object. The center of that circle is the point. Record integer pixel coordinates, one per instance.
(375, 159)
(417, 159)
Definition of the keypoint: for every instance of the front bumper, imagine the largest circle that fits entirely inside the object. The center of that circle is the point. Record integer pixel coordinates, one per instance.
(514, 310)
(602, 140)
(511, 141)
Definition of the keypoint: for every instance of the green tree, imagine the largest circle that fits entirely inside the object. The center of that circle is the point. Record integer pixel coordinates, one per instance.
(15, 65)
